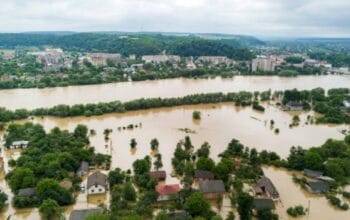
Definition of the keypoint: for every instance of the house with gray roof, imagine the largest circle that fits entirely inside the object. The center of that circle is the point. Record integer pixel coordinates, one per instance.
(317, 186)
(263, 203)
(19, 144)
(28, 192)
(212, 188)
(312, 173)
(97, 183)
(265, 188)
(82, 214)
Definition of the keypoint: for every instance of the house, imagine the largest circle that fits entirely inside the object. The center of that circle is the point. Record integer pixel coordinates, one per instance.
(317, 186)
(167, 192)
(201, 175)
(97, 183)
(66, 184)
(83, 169)
(178, 215)
(312, 173)
(294, 106)
(158, 175)
(19, 144)
(82, 214)
(264, 187)
(263, 203)
(27, 192)
(212, 188)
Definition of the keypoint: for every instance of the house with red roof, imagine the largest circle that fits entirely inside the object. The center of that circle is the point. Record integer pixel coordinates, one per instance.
(167, 192)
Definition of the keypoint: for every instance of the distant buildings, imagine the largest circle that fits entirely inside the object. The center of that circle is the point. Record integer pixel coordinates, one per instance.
(214, 60)
(52, 59)
(97, 183)
(102, 59)
(264, 63)
(161, 58)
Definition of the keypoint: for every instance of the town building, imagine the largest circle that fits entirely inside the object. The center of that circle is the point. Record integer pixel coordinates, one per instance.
(158, 175)
(293, 106)
(201, 175)
(161, 58)
(264, 63)
(167, 192)
(265, 188)
(212, 188)
(97, 183)
(102, 59)
(82, 214)
(83, 169)
(19, 144)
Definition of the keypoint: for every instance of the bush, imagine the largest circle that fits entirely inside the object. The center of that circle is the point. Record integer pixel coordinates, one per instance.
(196, 115)
(296, 211)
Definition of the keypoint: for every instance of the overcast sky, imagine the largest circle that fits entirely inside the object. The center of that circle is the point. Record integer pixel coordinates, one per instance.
(291, 18)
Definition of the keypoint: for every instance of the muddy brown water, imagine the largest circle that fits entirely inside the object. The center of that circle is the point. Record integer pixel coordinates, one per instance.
(125, 91)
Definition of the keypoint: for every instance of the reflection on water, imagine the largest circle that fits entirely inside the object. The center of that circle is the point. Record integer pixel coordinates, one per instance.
(35, 98)
(219, 124)
(292, 195)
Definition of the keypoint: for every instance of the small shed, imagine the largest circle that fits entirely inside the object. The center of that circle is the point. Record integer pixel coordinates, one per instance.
(201, 175)
(317, 186)
(83, 169)
(312, 173)
(27, 192)
(158, 175)
(82, 214)
(263, 203)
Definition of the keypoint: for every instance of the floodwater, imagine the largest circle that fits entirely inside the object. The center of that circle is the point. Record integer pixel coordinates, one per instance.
(125, 91)
(291, 195)
(218, 125)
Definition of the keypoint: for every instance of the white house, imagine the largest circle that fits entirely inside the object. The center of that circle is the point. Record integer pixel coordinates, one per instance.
(19, 144)
(161, 58)
(97, 183)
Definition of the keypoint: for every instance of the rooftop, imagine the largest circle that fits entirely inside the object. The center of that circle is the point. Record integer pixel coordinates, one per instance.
(212, 186)
(266, 185)
(83, 213)
(158, 175)
(97, 178)
(167, 189)
(27, 192)
(263, 203)
(318, 186)
(203, 174)
(312, 173)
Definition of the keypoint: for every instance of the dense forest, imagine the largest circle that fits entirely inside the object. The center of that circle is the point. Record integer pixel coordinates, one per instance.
(139, 44)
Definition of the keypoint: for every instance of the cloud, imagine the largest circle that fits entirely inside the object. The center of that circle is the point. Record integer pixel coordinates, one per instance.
(256, 17)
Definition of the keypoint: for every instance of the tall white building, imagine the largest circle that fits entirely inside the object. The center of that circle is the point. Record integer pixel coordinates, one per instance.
(264, 63)
(214, 59)
(100, 59)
